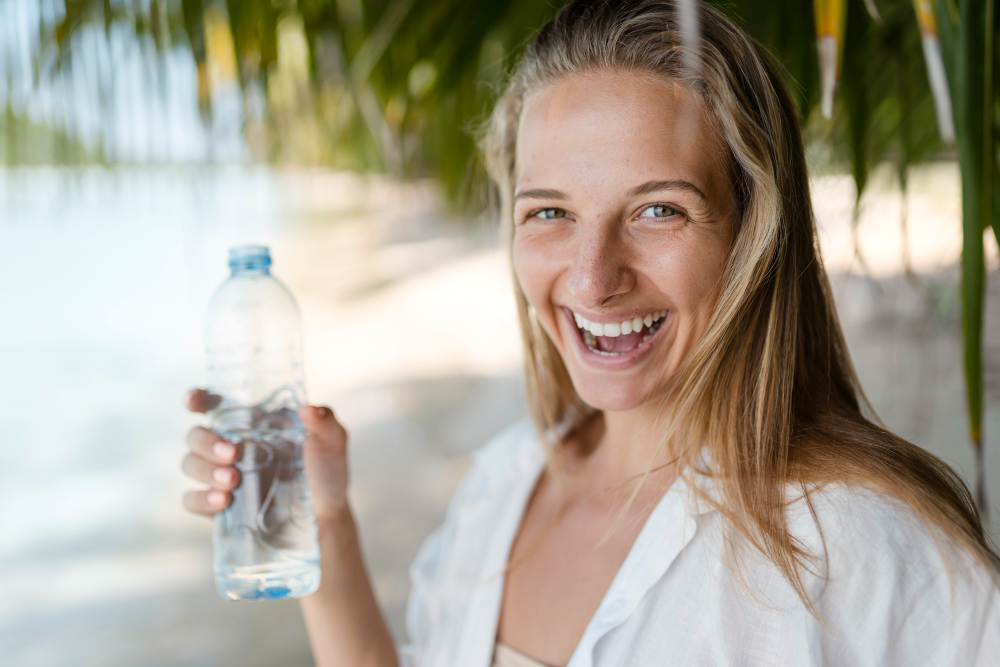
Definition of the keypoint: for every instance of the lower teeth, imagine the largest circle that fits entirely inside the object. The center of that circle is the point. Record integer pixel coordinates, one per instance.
(591, 341)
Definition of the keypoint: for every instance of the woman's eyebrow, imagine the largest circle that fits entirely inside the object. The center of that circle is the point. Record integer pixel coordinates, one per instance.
(639, 190)
(655, 186)
(540, 193)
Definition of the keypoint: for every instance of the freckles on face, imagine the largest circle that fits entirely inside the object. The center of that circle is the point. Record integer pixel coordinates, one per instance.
(623, 220)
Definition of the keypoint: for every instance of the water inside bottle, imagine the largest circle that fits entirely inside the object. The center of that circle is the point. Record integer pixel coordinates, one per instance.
(265, 541)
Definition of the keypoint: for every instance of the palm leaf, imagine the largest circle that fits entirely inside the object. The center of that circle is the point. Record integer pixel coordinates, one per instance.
(965, 42)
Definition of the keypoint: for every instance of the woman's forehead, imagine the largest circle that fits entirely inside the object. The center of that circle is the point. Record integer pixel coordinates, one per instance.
(602, 129)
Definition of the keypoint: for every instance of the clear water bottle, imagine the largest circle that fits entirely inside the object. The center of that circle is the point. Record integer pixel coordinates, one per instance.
(265, 541)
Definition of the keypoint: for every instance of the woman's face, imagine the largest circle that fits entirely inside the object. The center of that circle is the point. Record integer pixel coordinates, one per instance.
(623, 220)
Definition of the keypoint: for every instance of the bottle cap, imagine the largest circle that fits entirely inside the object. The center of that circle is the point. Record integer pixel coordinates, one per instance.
(249, 258)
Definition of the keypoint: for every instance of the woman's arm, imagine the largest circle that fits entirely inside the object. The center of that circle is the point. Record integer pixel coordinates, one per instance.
(342, 617)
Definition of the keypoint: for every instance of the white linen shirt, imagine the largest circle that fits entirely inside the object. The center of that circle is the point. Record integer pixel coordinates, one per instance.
(883, 592)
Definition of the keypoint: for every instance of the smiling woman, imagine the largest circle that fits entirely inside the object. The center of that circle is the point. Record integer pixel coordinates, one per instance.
(700, 485)
(633, 222)
(680, 331)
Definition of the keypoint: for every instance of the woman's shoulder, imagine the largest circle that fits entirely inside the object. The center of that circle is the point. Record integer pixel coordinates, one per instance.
(885, 586)
(864, 524)
(857, 540)
(840, 513)
(458, 545)
(509, 448)
(496, 467)
(874, 556)
(868, 531)
(504, 458)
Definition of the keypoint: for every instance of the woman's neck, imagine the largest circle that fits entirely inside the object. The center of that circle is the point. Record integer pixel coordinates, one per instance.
(616, 447)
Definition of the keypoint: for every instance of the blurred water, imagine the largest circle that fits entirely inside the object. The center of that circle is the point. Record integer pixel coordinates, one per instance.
(410, 335)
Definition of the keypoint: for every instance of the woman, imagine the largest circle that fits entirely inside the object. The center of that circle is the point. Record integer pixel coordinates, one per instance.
(702, 487)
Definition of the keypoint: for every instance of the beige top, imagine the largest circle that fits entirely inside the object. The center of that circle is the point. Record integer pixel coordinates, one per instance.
(505, 656)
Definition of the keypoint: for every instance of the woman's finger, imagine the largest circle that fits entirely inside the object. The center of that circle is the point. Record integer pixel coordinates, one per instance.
(324, 453)
(200, 400)
(209, 446)
(323, 428)
(220, 477)
(206, 502)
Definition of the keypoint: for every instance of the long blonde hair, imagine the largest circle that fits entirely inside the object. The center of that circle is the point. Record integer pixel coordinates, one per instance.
(770, 388)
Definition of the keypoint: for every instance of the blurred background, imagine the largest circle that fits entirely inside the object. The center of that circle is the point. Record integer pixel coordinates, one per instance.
(140, 140)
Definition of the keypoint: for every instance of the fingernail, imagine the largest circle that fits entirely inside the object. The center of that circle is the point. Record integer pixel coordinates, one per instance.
(321, 412)
(222, 475)
(224, 450)
(216, 497)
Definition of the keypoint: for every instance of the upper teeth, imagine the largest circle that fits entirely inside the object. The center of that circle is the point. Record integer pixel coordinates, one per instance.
(615, 329)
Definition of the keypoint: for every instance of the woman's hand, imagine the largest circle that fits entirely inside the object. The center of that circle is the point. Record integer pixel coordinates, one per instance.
(342, 617)
(212, 461)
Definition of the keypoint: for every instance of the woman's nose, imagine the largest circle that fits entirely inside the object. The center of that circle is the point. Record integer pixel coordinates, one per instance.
(600, 269)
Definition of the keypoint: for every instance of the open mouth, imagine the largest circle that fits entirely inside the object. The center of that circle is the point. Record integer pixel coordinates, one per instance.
(614, 339)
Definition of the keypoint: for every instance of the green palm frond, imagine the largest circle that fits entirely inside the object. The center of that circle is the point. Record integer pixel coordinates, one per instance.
(968, 38)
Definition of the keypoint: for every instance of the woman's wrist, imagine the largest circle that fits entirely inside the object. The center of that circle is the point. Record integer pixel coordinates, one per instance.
(343, 618)
(336, 523)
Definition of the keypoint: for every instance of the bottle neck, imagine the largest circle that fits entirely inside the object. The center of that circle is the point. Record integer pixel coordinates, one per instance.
(246, 270)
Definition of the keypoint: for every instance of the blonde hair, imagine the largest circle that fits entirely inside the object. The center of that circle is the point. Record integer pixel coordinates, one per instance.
(769, 389)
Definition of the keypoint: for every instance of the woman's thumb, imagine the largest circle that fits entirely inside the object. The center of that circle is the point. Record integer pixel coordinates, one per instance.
(323, 429)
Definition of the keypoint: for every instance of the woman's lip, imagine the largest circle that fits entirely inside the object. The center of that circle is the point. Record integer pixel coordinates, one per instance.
(620, 362)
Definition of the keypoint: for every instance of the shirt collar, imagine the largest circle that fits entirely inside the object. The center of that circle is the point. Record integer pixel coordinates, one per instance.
(669, 528)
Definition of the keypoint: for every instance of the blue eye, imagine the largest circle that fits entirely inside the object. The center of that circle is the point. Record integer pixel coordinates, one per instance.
(551, 213)
(658, 211)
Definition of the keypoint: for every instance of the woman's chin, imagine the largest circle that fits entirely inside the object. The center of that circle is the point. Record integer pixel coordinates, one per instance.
(609, 395)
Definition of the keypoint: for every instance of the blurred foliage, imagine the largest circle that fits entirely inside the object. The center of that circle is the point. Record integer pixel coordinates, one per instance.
(23, 142)
(390, 85)
(399, 85)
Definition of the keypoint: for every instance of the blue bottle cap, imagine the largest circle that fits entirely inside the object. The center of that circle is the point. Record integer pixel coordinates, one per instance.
(249, 258)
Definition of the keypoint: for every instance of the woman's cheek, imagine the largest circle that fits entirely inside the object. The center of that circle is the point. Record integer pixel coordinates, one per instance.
(688, 273)
(535, 271)
(530, 269)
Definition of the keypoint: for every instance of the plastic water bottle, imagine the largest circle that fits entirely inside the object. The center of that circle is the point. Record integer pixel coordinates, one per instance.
(265, 541)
